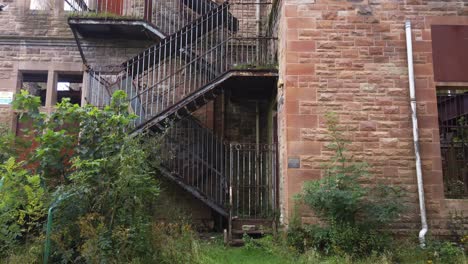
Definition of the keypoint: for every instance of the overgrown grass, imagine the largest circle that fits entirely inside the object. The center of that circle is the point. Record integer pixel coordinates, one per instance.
(271, 250)
(218, 254)
(215, 252)
(178, 244)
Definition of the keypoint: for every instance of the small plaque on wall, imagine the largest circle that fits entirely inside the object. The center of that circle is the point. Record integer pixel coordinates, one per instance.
(294, 162)
(6, 98)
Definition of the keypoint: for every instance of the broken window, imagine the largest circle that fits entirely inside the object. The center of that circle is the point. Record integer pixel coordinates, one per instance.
(35, 84)
(41, 4)
(75, 5)
(452, 106)
(69, 86)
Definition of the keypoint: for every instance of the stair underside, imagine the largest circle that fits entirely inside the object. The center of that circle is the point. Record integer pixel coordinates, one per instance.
(194, 191)
(198, 98)
(100, 28)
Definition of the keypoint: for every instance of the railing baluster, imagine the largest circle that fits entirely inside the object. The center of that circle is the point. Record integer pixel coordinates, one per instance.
(182, 63)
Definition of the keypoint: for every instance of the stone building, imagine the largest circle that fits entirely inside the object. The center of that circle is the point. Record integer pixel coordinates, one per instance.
(242, 89)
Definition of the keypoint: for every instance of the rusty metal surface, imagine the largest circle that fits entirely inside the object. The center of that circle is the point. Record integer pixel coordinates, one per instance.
(450, 53)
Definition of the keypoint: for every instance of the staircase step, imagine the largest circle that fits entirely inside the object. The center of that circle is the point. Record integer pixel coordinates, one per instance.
(237, 238)
(260, 224)
(251, 232)
(176, 43)
(236, 242)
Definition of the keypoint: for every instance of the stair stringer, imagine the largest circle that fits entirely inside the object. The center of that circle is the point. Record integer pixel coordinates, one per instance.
(194, 191)
(195, 100)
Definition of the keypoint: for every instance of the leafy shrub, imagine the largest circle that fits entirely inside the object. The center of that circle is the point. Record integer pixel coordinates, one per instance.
(444, 252)
(353, 212)
(6, 143)
(318, 238)
(22, 206)
(100, 179)
(30, 253)
(111, 177)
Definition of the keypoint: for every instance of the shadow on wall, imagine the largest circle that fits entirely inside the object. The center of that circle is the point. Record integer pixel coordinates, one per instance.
(176, 204)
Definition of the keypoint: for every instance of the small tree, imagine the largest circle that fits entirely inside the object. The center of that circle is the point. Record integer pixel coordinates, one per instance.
(352, 211)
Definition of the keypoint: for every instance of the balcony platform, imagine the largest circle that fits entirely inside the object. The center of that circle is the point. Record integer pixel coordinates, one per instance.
(252, 83)
(115, 28)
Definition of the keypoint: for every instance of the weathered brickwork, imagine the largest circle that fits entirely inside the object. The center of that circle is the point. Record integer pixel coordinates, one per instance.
(349, 57)
(41, 40)
(19, 20)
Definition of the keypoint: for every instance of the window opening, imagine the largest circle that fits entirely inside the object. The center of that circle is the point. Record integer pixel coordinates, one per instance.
(452, 107)
(75, 5)
(41, 4)
(69, 86)
(35, 84)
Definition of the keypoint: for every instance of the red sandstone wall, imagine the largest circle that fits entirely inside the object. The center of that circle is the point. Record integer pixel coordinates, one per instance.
(349, 57)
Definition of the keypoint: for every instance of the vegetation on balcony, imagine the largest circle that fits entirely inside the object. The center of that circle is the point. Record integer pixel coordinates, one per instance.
(102, 16)
(252, 66)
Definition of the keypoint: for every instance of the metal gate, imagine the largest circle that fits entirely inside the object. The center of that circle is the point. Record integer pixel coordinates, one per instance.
(252, 178)
(453, 126)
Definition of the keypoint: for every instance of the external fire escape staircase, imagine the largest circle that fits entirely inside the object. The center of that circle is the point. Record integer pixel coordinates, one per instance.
(186, 69)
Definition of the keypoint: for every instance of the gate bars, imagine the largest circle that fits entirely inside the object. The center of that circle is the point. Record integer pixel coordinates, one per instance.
(214, 167)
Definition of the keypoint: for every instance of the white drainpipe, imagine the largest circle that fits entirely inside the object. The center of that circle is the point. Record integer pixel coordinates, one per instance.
(422, 206)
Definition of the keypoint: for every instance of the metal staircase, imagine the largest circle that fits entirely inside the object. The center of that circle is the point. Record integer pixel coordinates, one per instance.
(197, 162)
(236, 180)
(206, 45)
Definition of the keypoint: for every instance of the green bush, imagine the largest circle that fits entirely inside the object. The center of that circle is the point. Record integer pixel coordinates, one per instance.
(30, 253)
(444, 252)
(22, 206)
(111, 178)
(98, 178)
(353, 213)
(6, 143)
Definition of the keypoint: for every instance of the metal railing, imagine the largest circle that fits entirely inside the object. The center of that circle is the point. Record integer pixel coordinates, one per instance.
(98, 88)
(238, 176)
(252, 178)
(453, 128)
(197, 157)
(186, 61)
(224, 38)
(167, 15)
(199, 53)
